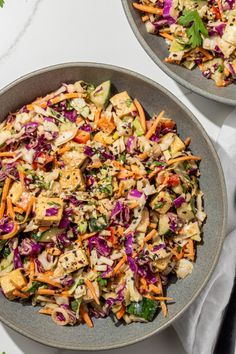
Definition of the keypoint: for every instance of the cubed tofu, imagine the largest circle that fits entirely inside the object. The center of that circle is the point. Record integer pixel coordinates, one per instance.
(44, 203)
(75, 157)
(89, 297)
(162, 202)
(12, 281)
(123, 104)
(183, 268)
(103, 138)
(72, 260)
(71, 179)
(15, 192)
(106, 124)
(143, 225)
(177, 145)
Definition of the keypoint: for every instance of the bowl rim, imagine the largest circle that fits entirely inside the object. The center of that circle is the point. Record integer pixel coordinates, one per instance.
(165, 68)
(211, 147)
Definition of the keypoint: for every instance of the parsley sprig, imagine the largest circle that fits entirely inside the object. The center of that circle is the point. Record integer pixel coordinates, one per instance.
(196, 29)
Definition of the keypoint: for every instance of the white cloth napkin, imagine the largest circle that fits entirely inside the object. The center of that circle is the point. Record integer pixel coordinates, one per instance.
(199, 325)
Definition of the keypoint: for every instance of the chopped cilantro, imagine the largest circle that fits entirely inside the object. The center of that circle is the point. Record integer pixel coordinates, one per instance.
(102, 282)
(128, 102)
(159, 205)
(196, 29)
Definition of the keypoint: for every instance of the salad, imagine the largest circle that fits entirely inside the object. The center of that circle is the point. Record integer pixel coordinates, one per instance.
(198, 33)
(99, 206)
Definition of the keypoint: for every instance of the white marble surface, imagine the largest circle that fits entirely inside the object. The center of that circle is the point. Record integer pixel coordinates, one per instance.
(38, 33)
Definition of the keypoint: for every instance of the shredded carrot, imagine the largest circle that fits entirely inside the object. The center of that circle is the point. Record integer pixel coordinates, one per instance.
(141, 115)
(144, 284)
(10, 234)
(187, 141)
(28, 210)
(153, 173)
(18, 293)
(143, 156)
(92, 290)
(45, 279)
(54, 251)
(43, 228)
(2, 208)
(152, 225)
(178, 255)
(150, 235)
(63, 149)
(10, 210)
(44, 311)
(159, 298)
(133, 205)
(124, 174)
(7, 154)
(148, 9)
(18, 210)
(167, 35)
(183, 158)
(86, 236)
(120, 264)
(152, 130)
(6, 188)
(154, 289)
(22, 178)
(171, 60)
(97, 116)
(51, 292)
(190, 253)
(204, 52)
(120, 313)
(85, 316)
(145, 18)
(164, 308)
(55, 100)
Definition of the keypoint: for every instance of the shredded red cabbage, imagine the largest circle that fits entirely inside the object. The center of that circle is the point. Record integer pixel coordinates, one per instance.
(51, 211)
(29, 247)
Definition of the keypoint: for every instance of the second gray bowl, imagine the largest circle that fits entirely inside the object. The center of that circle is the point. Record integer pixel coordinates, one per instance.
(156, 48)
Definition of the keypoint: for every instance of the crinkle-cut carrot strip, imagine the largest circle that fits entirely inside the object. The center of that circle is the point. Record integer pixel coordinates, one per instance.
(152, 130)
(148, 9)
(183, 158)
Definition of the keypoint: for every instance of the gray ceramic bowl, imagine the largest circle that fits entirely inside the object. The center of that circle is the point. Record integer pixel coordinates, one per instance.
(156, 48)
(154, 98)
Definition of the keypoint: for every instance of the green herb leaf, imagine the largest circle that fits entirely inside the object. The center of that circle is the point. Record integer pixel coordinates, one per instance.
(1, 5)
(102, 282)
(196, 29)
(146, 308)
